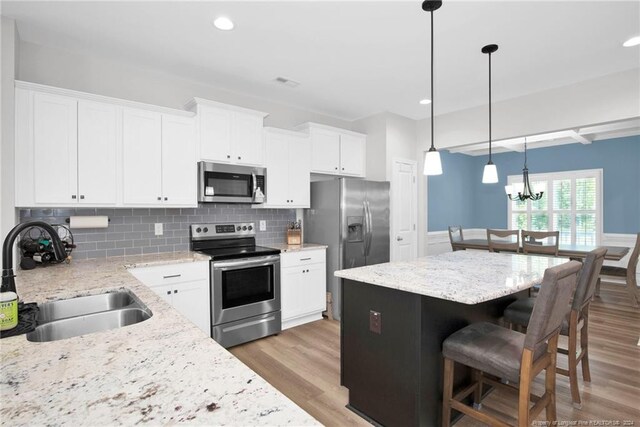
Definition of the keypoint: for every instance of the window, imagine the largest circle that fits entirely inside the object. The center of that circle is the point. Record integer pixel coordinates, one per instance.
(571, 204)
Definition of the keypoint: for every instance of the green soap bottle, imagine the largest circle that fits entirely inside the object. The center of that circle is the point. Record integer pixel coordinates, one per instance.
(8, 310)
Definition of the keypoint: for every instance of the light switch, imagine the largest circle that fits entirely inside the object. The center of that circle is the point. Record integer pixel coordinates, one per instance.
(375, 322)
(158, 229)
(263, 225)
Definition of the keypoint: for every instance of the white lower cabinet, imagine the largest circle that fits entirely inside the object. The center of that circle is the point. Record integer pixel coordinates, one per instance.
(184, 286)
(303, 286)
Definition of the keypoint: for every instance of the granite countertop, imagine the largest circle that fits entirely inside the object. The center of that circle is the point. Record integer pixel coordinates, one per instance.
(297, 248)
(468, 277)
(164, 370)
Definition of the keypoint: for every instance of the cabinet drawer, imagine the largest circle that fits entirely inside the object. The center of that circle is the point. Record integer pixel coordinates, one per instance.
(294, 259)
(172, 273)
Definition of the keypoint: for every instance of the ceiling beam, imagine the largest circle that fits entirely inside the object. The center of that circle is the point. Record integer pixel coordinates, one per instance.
(576, 136)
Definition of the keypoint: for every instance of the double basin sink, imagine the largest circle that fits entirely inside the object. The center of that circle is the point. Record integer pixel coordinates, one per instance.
(72, 317)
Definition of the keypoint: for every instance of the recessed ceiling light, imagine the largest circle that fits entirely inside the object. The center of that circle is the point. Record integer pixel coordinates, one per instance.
(223, 23)
(425, 101)
(633, 41)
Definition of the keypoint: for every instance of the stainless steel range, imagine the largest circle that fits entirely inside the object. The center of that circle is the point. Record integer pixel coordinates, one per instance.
(245, 282)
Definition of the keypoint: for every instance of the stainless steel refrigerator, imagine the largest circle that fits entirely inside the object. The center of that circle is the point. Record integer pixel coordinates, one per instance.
(351, 216)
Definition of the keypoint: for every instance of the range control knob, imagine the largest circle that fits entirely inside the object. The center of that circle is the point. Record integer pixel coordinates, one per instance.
(206, 230)
(239, 228)
(244, 228)
(198, 230)
(250, 227)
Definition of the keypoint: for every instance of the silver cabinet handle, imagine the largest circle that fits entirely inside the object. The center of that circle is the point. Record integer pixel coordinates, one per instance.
(305, 259)
(171, 276)
(399, 239)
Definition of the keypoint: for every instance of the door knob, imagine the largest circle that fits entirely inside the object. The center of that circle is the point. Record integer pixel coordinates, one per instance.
(399, 239)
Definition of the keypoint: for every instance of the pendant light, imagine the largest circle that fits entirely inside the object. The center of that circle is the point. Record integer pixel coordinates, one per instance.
(432, 162)
(523, 189)
(490, 174)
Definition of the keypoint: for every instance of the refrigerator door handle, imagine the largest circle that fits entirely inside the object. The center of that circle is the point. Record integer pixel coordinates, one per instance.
(366, 227)
(369, 231)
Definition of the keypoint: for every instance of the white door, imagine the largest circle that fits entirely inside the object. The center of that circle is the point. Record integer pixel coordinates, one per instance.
(325, 151)
(191, 299)
(404, 195)
(55, 136)
(142, 157)
(277, 157)
(97, 148)
(247, 139)
(352, 155)
(179, 166)
(215, 134)
(299, 163)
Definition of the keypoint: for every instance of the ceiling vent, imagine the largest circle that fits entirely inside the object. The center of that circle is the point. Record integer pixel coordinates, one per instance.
(287, 82)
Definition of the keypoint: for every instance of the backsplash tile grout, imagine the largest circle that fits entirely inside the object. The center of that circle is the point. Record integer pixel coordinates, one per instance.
(131, 230)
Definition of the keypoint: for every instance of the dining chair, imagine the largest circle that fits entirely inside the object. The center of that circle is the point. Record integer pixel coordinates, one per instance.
(512, 356)
(455, 235)
(576, 321)
(532, 242)
(499, 240)
(629, 273)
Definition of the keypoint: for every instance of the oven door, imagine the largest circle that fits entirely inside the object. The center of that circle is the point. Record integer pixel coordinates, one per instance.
(244, 288)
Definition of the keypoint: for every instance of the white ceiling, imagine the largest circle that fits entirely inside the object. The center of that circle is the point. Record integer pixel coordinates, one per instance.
(352, 58)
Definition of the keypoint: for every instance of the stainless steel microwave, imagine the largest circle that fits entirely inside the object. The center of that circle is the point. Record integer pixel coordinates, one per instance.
(230, 184)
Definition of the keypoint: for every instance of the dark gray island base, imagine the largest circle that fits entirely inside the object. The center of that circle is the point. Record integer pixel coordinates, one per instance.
(395, 377)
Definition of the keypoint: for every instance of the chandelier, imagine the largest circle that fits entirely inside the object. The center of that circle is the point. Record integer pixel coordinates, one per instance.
(524, 190)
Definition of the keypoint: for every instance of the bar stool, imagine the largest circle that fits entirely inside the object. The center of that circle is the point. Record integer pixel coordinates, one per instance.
(455, 236)
(510, 355)
(577, 320)
(528, 247)
(629, 274)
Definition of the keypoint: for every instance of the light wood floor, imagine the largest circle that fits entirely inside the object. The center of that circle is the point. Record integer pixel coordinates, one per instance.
(304, 364)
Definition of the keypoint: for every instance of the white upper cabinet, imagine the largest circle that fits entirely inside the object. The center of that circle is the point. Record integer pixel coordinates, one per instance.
(288, 169)
(55, 142)
(179, 166)
(228, 134)
(97, 153)
(142, 157)
(336, 151)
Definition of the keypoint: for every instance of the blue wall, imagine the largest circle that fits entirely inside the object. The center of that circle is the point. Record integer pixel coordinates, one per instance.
(459, 197)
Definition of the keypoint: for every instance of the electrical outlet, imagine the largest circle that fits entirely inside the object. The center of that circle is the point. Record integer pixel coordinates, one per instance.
(375, 322)
(158, 229)
(263, 225)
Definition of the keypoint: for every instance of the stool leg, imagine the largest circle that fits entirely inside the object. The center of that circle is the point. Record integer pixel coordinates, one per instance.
(477, 393)
(525, 388)
(598, 288)
(447, 392)
(573, 362)
(550, 380)
(584, 344)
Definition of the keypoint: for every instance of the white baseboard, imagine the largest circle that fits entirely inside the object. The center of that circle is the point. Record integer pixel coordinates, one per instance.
(297, 321)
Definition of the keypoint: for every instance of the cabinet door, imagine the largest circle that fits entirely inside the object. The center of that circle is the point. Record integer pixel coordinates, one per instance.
(316, 293)
(352, 155)
(191, 299)
(179, 166)
(97, 147)
(215, 134)
(292, 291)
(277, 158)
(300, 172)
(325, 151)
(165, 292)
(55, 137)
(142, 157)
(247, 139)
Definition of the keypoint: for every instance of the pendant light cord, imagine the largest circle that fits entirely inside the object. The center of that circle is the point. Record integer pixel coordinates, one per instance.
(432, 97)
(490, 107)
(525, 152)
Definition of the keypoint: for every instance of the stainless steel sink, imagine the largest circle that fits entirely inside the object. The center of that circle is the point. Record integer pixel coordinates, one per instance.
(87, 324)
(80, 306)
(72, 317)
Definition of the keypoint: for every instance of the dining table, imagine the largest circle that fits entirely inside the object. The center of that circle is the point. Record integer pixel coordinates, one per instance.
(614, 253)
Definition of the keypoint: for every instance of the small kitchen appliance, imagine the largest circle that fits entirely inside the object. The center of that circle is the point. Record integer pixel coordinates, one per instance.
(244, 279)
(230, 183)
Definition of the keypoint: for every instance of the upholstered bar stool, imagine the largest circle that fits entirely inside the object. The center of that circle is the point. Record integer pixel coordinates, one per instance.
(455, 236)
(510, 355)
(498, 243)
(628, 274)
(544, 248)
(577, 321)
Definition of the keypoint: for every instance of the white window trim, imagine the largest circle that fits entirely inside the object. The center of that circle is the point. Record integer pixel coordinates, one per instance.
(573, 175)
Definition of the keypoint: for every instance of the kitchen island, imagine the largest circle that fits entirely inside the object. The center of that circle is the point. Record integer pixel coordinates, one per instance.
(396, 315)
(164, 370)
